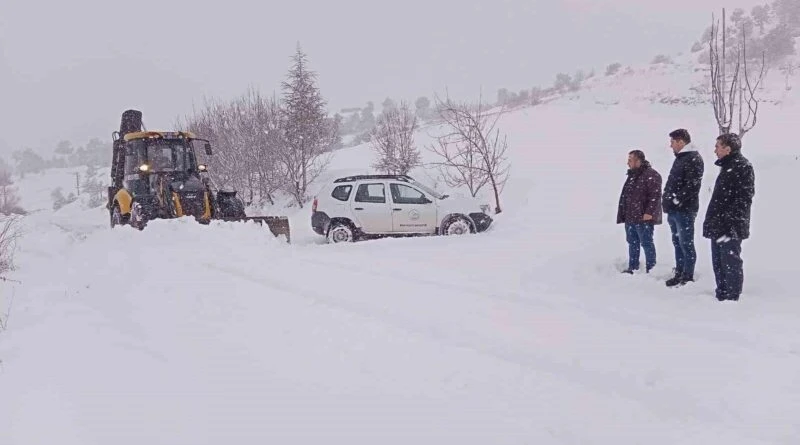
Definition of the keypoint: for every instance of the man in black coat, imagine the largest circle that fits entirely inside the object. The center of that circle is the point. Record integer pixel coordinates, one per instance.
(681, 201)
(640, 210)
(727, 221)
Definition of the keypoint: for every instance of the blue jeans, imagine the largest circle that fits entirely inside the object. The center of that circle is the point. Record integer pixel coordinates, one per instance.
(640, 236)
(726, 257)
(682, 226)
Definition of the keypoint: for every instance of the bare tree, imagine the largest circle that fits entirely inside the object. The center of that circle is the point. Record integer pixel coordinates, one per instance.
(4, 317)
(473, 151)
(393, 140)
(9, 199)
(215, 121)
(244, 131)
(460, 165)
(9, 234)
(788, 69)
(259, 125)
(734, 97)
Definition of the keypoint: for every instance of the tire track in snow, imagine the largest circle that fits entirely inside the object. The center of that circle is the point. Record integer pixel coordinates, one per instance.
(610, 384)
(639, 319)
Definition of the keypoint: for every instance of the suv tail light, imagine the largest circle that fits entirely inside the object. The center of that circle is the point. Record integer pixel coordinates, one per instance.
(314, 205)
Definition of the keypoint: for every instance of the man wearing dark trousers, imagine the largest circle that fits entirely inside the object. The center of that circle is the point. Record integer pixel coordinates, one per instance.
(640, 210)
(681, 201)
(727, 221)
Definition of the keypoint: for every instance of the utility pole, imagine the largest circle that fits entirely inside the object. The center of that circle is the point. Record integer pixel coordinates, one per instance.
(78, 183)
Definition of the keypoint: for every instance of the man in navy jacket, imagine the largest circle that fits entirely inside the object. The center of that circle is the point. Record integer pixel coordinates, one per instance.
(727, 221)
(681, 201)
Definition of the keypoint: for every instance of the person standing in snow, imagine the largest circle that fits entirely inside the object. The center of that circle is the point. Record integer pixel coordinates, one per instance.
(640, 210)
(681, 201)
(727, 221)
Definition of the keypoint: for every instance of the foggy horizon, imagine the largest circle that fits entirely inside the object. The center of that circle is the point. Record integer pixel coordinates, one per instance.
(70, 73)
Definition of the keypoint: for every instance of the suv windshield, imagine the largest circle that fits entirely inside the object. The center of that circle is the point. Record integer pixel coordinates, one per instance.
(428, 190)
(166, 156)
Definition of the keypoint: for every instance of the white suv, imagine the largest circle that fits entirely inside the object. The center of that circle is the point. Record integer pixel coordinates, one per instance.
(370, 206)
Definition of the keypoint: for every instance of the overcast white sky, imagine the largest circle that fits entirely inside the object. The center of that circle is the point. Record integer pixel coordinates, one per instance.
(69, 68)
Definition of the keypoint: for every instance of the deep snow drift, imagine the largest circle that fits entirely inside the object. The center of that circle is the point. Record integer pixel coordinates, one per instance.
(525, 334)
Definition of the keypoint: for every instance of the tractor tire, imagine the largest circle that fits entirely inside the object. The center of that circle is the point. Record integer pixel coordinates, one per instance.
(138, 219)
(116, 217)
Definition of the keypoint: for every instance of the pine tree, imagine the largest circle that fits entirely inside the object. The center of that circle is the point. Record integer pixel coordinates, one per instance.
(309, 132)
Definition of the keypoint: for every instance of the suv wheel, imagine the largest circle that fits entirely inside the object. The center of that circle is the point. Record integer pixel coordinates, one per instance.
(340, 233)
(457, 225)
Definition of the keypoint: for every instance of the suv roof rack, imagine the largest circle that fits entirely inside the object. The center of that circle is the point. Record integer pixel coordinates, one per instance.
(359, 177)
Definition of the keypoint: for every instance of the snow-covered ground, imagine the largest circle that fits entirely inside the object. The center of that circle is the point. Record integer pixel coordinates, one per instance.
(190, 334)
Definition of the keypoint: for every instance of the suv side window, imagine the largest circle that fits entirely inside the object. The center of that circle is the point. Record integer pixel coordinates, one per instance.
(403, 194)
(342, 192)
(374, 193)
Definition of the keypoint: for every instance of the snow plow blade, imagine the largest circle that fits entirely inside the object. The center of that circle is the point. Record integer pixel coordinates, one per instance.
(278, 225)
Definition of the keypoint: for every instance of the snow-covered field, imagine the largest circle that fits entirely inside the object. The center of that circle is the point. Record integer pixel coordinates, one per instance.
(190, 334)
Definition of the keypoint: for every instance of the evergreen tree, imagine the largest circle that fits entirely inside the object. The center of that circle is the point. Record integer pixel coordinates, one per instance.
(309, 132)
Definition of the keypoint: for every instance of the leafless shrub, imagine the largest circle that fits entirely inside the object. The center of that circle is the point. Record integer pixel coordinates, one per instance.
(393, 140)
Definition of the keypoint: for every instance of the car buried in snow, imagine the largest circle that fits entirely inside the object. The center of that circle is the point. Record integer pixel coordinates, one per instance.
(351, 208)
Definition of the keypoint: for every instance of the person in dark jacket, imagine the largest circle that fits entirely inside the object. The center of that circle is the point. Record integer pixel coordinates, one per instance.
(640, 210)
(681, 201)
(727, 221)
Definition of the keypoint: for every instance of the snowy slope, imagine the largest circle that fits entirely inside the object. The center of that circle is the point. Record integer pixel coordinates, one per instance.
(524, 334)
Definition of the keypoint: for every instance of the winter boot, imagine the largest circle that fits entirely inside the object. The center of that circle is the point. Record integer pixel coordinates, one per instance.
(675, 281)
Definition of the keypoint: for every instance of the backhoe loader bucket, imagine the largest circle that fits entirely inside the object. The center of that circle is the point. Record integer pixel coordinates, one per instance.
(278, 225)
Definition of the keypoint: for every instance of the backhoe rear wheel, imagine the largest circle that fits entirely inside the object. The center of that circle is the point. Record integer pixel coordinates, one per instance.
(115, 217)
(138, 219)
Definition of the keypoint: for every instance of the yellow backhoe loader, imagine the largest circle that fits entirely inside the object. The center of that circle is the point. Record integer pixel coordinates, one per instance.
(155, 175)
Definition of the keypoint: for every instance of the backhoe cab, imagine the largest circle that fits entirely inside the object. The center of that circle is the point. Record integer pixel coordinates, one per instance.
(156, 175)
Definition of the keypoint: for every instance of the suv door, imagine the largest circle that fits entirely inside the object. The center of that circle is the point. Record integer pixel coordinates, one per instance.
(371, 209)
(412, 211)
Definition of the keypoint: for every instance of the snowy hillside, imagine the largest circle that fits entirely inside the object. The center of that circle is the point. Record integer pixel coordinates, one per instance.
(528, 333)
